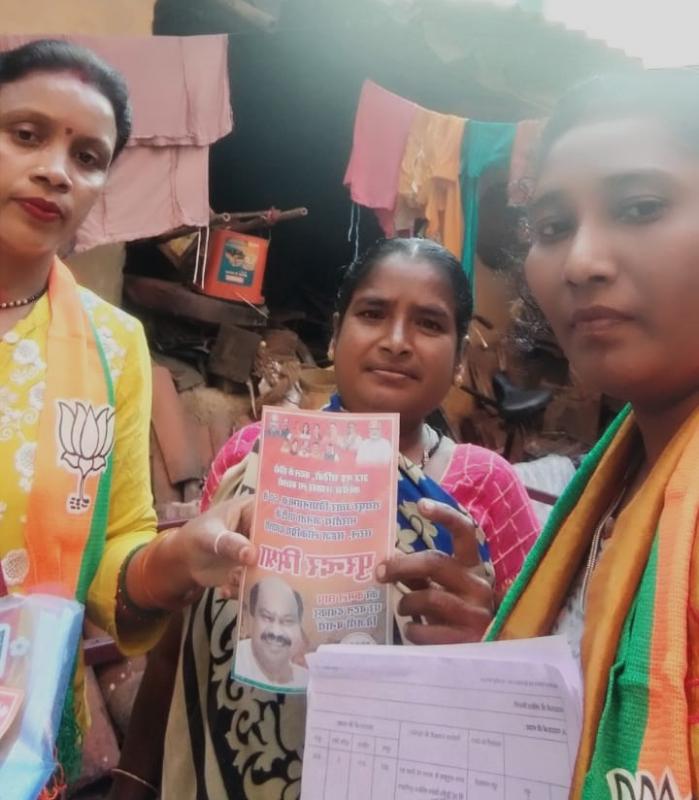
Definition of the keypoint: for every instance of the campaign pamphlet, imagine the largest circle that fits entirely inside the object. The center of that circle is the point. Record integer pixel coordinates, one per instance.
(325, 516)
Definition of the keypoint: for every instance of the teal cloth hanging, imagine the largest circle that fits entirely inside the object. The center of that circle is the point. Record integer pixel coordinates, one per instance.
(485, 145)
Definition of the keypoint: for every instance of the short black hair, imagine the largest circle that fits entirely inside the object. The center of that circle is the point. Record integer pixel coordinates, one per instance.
(254, 594)
(669, 95)
(56, 55)
(415, 250)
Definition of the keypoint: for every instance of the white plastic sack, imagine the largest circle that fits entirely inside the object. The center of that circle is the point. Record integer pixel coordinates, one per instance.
(39, 637)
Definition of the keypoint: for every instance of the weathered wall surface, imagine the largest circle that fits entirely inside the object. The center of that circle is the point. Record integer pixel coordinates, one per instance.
(90, 17)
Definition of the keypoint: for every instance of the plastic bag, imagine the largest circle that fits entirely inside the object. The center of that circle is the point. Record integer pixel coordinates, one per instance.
(39, 638)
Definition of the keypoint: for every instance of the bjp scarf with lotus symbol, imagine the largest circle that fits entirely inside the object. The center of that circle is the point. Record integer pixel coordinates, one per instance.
(640, 646)
(68, 505)
(69, 501)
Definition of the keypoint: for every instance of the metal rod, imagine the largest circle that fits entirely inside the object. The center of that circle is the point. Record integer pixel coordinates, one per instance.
(238, 221)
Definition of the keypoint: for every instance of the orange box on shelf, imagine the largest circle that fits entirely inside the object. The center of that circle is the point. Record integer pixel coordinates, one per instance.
(235, 267)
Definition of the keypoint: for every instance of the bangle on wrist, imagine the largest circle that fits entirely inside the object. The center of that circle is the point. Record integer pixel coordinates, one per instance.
(124, 600)
(149, 582)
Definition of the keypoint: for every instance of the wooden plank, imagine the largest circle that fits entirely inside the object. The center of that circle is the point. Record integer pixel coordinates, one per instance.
(174, 429)
(170, 298)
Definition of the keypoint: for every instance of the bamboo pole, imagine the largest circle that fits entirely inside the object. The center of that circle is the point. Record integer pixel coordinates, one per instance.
(271, 213)
(238, 221)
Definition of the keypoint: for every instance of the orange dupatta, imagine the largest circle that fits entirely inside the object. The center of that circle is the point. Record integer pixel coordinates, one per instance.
(68, 507)
(69, 500)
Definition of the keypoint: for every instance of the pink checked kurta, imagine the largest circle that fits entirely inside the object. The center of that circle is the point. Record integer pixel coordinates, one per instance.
(480, 480)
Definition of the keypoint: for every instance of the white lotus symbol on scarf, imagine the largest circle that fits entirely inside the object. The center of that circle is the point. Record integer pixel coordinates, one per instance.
(85, 440)
(624, 785)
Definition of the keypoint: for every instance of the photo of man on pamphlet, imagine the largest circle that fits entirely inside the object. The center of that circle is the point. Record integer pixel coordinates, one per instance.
(276, 643)
(324, 518)
(375, 449)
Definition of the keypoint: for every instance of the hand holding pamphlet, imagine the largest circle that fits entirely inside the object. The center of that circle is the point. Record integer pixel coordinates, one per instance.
(324, 518)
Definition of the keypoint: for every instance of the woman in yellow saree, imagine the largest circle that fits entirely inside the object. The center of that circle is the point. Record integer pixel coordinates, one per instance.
(76, 514)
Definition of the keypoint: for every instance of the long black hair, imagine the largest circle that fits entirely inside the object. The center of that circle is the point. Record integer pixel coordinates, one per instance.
(415, 250)
(56, 55)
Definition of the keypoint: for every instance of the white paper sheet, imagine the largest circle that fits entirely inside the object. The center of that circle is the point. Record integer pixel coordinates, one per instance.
(496, 721)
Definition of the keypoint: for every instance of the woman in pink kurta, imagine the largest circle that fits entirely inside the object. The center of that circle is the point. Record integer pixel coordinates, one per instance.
(402, 315)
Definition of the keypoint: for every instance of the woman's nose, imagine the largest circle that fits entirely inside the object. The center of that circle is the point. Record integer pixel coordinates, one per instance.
(396, 338)
(590, 257)
(52, 170)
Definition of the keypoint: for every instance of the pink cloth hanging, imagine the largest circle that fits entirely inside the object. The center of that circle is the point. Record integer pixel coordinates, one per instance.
(381, 131)
(151, 190)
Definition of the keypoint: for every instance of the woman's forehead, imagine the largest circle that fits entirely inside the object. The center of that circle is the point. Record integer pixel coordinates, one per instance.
(64, 97)
(605, 148)
(398, 276)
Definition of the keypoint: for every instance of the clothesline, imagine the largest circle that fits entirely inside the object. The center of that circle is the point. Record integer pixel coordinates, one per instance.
(409, 164)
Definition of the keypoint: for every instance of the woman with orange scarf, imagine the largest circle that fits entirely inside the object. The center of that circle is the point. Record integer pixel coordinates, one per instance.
(614, 265)
(76, 512)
